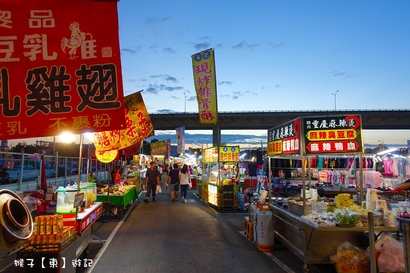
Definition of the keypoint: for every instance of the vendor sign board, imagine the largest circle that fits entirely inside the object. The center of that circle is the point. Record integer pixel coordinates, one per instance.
(285, 139)
(60, 68)
(229, 153)
(210, 155)
(332, 134)
(203, 65)
(159, 147)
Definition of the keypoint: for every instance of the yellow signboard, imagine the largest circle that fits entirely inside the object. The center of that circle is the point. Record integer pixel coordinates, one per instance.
(203, 65)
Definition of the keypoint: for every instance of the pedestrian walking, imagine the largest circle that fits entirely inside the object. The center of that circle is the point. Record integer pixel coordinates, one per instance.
(185, 181)
(173, 182)
(151, 181)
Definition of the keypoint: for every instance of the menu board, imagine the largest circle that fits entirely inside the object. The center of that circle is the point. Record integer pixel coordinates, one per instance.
(332, 134)
(284, 139)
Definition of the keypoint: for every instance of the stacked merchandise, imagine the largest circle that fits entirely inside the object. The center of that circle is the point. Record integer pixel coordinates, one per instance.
(50, 235)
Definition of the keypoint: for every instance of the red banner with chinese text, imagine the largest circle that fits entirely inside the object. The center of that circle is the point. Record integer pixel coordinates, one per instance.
(138, 127)
(60, 68)
(203, 64)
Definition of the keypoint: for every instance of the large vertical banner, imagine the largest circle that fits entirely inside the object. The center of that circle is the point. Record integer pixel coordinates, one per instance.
(180, 139)
(138, 127)
(203, 65)
(60, 68)
(168, 149)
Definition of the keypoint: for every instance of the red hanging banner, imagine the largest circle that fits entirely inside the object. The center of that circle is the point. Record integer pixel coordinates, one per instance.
(60, 68)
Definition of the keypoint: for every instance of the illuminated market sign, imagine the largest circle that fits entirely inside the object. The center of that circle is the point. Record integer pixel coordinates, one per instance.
(159, 147)
(60, 68)
(229, 153)
(210, 155)
(332, 134)
(284, 139)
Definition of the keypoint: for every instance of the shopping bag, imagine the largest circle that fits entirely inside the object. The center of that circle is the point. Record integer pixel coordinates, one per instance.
(159, 190)
(391, 258)
(190, 185)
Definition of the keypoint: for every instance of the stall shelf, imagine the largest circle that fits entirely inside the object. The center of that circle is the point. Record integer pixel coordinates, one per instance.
(51, 257)
(311, 244)
(220, 196)
(57, 255)
(119, 200)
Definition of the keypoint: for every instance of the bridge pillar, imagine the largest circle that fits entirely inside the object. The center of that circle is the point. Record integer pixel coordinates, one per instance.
(216, 135)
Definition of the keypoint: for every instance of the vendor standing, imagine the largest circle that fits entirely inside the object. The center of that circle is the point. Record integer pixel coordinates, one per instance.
(151, 181)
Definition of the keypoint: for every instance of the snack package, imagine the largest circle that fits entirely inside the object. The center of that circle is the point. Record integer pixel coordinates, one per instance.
(348, 253)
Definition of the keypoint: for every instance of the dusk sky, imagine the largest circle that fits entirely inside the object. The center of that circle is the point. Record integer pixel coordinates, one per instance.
(270, 55)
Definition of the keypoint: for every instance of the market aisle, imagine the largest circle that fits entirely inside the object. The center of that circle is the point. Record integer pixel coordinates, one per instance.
(166, 236)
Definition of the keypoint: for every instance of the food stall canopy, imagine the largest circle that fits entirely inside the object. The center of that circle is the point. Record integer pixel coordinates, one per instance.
(60, 68)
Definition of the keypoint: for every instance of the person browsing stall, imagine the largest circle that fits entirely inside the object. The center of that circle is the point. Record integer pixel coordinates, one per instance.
(173, 182)
(117, 176)
(151, 181)
(185, 181)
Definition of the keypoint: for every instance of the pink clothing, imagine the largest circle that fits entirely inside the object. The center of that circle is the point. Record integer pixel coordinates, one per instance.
(387, 163)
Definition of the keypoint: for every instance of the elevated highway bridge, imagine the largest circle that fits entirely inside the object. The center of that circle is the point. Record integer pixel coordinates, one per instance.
(371, 119)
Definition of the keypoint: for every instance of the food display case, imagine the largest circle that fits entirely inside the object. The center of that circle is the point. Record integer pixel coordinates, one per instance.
(218, 187)
(66, 197)
(313, 245)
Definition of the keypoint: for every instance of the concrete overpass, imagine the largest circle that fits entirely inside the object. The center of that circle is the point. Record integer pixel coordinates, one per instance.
(371, 119)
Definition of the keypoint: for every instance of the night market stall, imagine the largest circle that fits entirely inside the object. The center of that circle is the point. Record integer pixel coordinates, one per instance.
(218, 185)
(304, 219)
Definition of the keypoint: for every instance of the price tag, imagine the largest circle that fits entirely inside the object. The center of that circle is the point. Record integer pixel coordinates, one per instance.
(78, 199)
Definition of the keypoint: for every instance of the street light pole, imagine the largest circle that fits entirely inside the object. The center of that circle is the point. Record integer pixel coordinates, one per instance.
(334, 94)
(185, 101)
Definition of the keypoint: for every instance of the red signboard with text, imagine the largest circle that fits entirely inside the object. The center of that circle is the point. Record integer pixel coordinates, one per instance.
(60, 68)
(284, 139)
(333, 134)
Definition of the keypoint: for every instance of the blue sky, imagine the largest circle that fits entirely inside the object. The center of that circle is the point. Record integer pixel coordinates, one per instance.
(270, 55)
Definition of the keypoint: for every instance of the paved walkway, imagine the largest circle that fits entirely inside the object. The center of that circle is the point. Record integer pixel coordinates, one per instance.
(165, 236)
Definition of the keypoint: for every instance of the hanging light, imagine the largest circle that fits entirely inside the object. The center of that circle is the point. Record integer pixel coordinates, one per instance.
(387, 151)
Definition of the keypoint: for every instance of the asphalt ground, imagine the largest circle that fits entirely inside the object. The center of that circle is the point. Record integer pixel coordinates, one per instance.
(165, 236)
